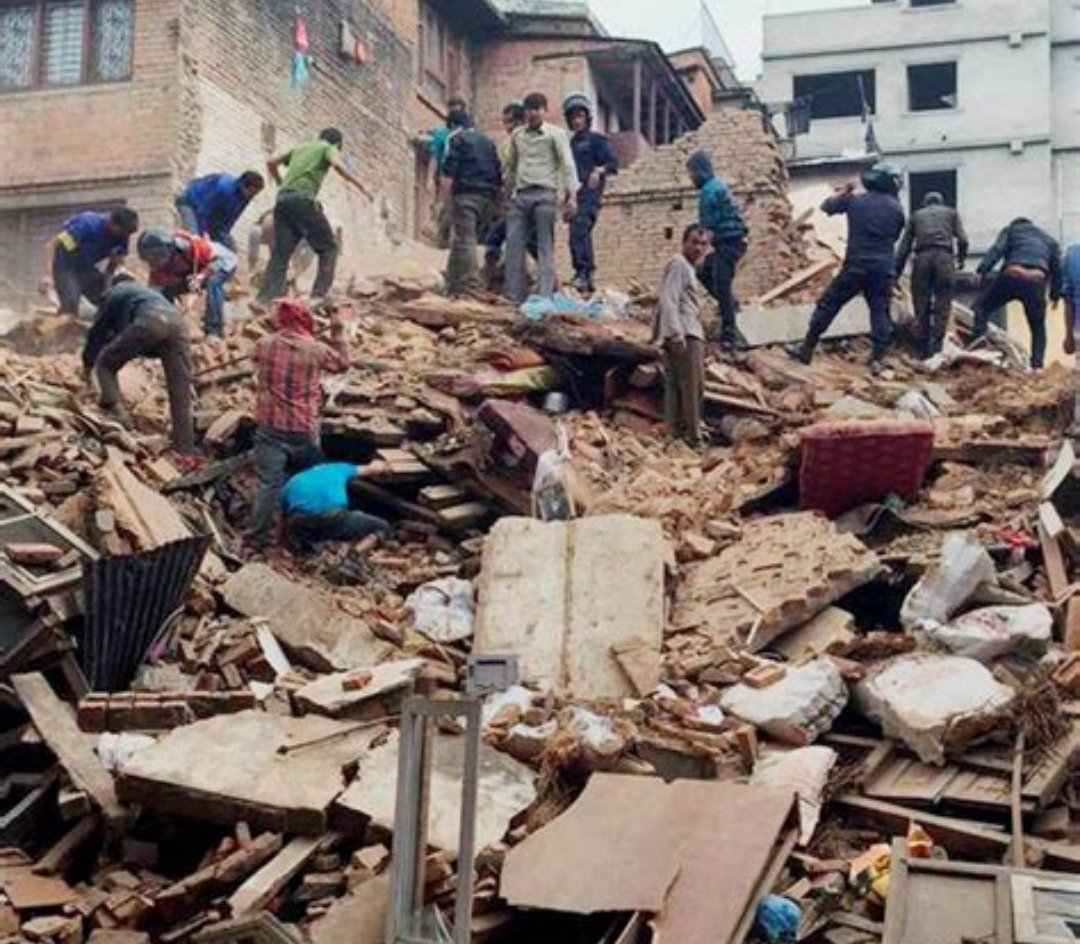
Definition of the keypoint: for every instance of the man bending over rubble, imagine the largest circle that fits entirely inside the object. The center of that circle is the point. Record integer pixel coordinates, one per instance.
(316, 506)
(290, 364)
(134, 322)
(73, 257)
(875, 222)
(678, 328)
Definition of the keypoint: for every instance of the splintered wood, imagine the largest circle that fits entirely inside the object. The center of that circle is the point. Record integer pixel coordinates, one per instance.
(784, 571)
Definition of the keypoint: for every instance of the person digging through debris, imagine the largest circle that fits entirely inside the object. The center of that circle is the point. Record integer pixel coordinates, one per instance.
(1030, 266)
(210, 205)
(677, 327)
(182, 262)
(315, 504)
(298, 215)
(719, 215)
(875, 222)
(540, 176)
(133, 322)
(74, 256)
(936, 233)
(594, 161)
(290, 363)
(472, 166)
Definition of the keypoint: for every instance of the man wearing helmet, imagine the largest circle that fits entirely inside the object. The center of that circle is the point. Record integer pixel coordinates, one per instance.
(1030, 267)
(595, 162)
(875, 222)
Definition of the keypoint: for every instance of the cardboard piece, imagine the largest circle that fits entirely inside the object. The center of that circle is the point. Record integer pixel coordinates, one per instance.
(561, 595)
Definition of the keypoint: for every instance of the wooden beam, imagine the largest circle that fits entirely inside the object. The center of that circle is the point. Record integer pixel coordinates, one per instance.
(652, 112)
(637, 94)
(262, 887)
(55, 722)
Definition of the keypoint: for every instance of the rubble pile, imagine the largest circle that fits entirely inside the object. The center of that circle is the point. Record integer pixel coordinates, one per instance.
(734, 694)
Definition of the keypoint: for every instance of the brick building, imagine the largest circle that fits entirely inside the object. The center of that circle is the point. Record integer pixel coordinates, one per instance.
(111, 102)
(649, 205)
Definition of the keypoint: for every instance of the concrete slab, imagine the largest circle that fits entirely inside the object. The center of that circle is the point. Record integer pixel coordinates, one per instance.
(328, 696)
(787, 324)
(561, 594)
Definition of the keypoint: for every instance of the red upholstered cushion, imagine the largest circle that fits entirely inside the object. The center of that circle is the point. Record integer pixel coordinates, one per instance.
(852, 463)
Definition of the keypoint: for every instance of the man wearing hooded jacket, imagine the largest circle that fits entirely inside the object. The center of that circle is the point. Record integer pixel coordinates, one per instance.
(720, 217)
(595, 162)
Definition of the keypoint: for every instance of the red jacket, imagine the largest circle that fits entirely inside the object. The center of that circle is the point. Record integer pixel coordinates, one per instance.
(192, 256)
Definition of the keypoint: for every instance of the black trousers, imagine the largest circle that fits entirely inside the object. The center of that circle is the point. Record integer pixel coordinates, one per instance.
(1031, 293)
(74, 281)
(875, 285)
(582, 251)
(718, 277)
(305, 532)
(296, 218)
(933, 285)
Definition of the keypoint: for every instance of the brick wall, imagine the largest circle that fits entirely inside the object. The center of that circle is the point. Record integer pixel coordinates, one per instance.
(240, 105)
(648, 206)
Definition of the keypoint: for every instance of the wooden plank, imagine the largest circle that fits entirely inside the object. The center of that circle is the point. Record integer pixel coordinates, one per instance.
(262, 887)
(465, 516)
(442, 496)
(55, 721)
(799, 278)
(1072, 624)
(57, 858)
(1056, 573)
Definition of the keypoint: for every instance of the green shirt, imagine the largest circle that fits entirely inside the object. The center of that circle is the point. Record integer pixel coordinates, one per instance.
(306, 167)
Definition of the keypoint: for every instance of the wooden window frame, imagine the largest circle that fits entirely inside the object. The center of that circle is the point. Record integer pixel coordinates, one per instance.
(87, 61)
(427, 76)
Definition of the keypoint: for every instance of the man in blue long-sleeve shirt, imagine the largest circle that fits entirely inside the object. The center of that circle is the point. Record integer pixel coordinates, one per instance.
(875, 222)
(595, 162)
(720, 217)
(211, 205)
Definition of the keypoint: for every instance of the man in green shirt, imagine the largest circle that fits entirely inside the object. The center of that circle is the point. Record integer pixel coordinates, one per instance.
(298, 215)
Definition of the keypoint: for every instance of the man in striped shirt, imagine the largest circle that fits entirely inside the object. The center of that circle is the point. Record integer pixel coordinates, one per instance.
(290, 364)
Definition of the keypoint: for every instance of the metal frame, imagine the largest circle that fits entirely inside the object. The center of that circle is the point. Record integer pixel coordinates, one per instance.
(415, 756)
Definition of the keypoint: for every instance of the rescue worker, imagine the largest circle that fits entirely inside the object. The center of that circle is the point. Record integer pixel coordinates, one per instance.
(721, 218)
(298, 214)
(595, 161)
(875, 222)
(134, 322)
(472, 166)
(936, 233)
(210, 205)
(181, 263)
(74, 256)
(1030, 267)
(315, 503)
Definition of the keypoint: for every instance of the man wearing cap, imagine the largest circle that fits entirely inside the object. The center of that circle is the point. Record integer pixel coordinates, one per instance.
(299, 216)
(290, 364)
(594, 161)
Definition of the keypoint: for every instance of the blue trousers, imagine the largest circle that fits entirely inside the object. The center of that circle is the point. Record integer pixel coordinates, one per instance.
(875, 285)
(582, 251)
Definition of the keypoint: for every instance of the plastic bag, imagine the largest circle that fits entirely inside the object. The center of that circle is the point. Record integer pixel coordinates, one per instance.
(918, 405)
(964, 565)
(552, 500)
(443, 609)
(806, 771)
(538, 307)
(994, 631)
(778, 920)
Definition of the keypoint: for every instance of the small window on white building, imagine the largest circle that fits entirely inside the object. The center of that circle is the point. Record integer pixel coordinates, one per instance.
(932, 181)
(838, 94)
(932, 87)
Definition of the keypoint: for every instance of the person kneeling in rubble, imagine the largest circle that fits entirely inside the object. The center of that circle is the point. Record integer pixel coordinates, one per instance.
(134, 322)
(315, 504)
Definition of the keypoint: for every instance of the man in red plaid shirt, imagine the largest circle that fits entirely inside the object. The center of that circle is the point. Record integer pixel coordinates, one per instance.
(290, 364)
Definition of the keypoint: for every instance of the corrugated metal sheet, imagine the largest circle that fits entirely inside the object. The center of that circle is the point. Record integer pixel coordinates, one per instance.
(129, 599)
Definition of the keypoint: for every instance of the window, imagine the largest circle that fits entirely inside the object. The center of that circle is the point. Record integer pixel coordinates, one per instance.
(434, 59)
(932, 87)
(940, 181)
(838, 94)
(46, 43)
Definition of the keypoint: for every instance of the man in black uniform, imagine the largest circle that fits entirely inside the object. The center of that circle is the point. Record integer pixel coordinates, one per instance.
(1031, 265)
(875, 221)
(937, 235)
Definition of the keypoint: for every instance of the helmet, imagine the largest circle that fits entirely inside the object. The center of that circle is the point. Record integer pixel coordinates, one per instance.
(155, 247)
(576, 101)
(883, 178)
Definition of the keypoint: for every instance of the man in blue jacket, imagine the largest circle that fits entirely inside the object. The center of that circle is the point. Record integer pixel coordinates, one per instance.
(1030, 267)
(595, 162)
(211, 205)
(73, 257)
(719, 215)
(875, 222)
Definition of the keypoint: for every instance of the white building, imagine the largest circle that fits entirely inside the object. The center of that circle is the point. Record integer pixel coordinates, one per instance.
(977, 98)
